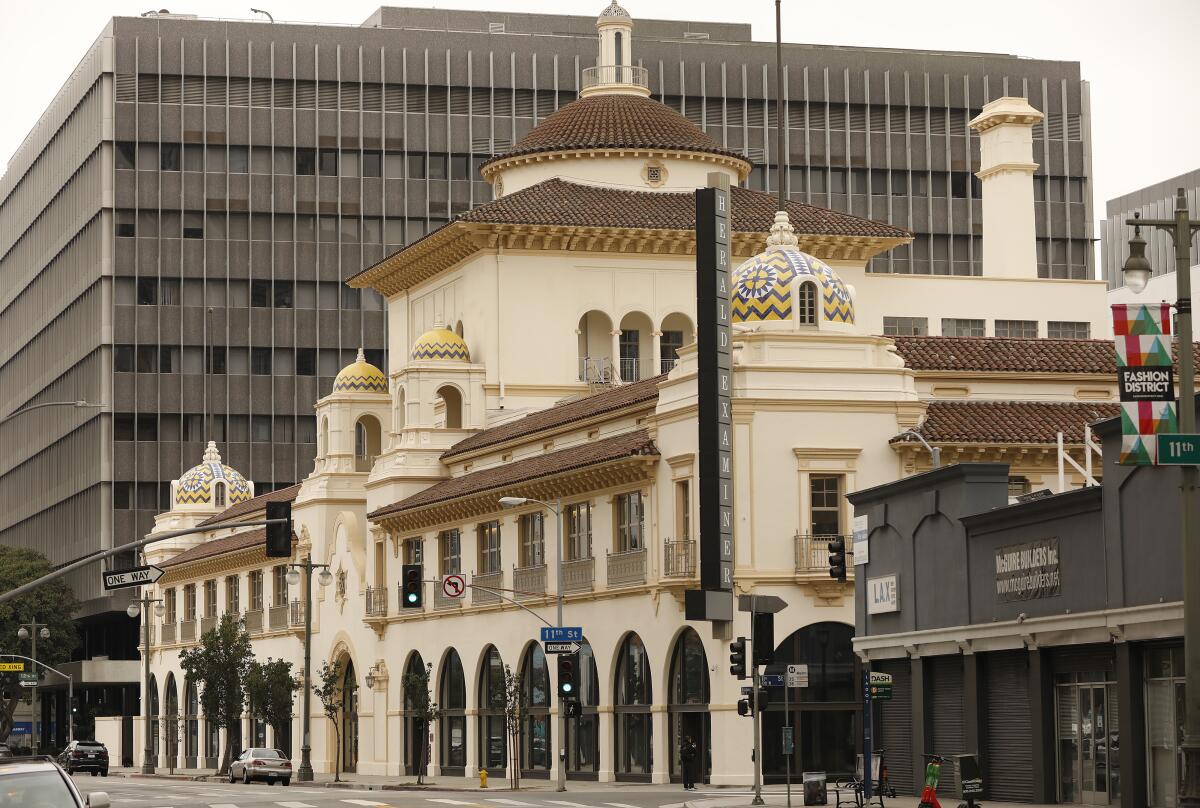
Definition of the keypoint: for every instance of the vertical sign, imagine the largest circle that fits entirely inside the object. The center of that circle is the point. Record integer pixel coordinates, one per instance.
(1144, 378)
(714, 383)
(868, 754)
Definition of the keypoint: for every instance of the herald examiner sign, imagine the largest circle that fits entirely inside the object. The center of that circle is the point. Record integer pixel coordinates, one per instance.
(1028, 571)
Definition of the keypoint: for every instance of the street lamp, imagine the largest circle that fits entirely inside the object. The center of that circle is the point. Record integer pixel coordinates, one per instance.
(516, 502)
(134, 609)
(77, 404)
(33, 629)
(935, 452)
(304, 774)
(1137, 273)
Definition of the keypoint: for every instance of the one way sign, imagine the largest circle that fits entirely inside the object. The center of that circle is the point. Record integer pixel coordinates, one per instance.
(137, 576)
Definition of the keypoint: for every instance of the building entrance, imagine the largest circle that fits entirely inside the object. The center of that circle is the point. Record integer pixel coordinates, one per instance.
(1165, 710)
(1087, 739)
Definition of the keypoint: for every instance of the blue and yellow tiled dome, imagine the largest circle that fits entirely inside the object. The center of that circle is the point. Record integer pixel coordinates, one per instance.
(440, 343)
(762, 285)
(198, 485)
(360, 377)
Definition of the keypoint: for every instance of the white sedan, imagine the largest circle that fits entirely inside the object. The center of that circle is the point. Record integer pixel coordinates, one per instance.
(261, 764)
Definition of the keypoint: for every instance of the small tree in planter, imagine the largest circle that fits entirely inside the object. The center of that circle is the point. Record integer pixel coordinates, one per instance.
(514, 716)
(422, 708)
(329, 692)
(219, 665)
(269, 689)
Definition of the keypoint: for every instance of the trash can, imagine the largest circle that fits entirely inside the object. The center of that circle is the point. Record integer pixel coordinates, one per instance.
(816, 791)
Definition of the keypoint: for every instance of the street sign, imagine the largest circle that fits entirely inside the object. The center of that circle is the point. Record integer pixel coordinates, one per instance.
(797, 676)
(562, 647)
(769, 604)
(881, 686)
(27, 679)
(771, 679)
(1178, 450)
(135, 576)
(454, 586)
(562, 634)
(12, 667)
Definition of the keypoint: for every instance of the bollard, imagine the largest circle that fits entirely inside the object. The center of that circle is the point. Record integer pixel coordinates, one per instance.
(483, 778)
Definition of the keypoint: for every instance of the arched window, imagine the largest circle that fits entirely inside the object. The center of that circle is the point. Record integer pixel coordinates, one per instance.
(219, 495)
(453, 403)
(416, 731)
(617, 47)
(806, 308)
(154, 717)
(349, 717)
(171, 725)
(191, 746)
(535, 729)
(366, 442)
(493, 739)
(632, 707)
(323, 438)
(687, 703)
(595, 348)
(400, 416)
(583, 731)
(452, 700)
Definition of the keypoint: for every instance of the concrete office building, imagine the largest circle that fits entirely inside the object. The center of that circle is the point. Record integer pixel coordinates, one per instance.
(1155, 201)
(201, 188)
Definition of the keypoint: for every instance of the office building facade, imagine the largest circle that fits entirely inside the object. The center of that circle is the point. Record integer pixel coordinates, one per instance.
(1152, 202)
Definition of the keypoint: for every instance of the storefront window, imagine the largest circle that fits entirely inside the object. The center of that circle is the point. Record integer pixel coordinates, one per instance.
(1165, 710)
(493, 739)
(632, 707)
(583, 731)
(688, 704)
(452, 699)
(535, 729)
(416, 741)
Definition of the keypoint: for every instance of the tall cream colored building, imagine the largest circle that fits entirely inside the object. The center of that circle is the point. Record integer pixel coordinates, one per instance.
(542, 347)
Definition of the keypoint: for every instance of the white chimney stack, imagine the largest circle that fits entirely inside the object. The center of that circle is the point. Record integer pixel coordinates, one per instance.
(1005, 174)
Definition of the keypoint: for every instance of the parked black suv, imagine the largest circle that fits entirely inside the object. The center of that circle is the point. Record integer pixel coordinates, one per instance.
(85, 756)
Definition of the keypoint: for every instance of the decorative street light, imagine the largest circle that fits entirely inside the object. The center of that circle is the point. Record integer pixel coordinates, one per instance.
(1137, 272)
(304, 774)
(134, 609)
(516, 502)
(33, 629)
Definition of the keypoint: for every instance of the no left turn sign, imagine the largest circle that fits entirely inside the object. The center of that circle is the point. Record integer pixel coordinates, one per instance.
(453, 586)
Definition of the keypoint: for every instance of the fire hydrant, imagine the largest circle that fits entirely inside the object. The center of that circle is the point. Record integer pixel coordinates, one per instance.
(483, 778)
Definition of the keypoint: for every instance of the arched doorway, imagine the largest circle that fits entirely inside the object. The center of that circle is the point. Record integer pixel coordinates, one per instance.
(416, 729)
(535, 729)
(367, 442)
(348, 719)
(687, 704)
(595, 347)
(493, 737)
(634, 344)
(154, 720)
(171, 725)
(191, 742)
(451, 401)
(452, 701)
(631, 708)
(675, 332)
(583, 731)
(825, 714)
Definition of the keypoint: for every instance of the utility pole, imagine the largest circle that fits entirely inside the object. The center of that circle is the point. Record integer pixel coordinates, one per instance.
(304, 773)
(133, 610)
(31, 631)
(754, 685)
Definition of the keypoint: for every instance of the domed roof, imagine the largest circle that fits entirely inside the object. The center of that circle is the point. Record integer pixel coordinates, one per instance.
(198, 484)
(440, 343)
(615, 122)
(360, 377)
(614, 10)
(762, 284)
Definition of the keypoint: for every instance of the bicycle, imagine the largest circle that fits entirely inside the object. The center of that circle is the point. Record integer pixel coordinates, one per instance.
(881, 786)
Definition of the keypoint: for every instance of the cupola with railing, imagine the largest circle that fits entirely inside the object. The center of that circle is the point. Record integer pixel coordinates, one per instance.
(615, 72)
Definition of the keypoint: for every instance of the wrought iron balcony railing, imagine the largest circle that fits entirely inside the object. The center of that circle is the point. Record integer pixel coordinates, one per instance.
(615, 74)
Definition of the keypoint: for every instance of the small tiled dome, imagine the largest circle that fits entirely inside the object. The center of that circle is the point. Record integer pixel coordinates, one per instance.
(360, 377)
(440, 344)
(198, 485)
(614, 10)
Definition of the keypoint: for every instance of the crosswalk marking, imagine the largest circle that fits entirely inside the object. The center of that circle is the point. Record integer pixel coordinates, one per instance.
(512, 802)
(444, 801)
(568, 804)
(294, 805)
(222, 805)
(372, 803)
(619, 805)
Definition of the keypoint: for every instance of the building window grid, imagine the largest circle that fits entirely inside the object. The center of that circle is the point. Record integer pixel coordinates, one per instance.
(412, 550)
(630, 521)
(579, 531)
(450, 551)
(233, 595)
(1059, 329)
(825, 502)
(1023, 329)
(210, 598)
(532, 531)
(256, 590)
(959, 327)
(487, 537)
(189, 602)
(279, 585)
(171, 614)
(905, 326)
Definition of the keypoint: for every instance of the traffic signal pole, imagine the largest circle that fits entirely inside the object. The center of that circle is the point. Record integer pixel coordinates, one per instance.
(752, 659)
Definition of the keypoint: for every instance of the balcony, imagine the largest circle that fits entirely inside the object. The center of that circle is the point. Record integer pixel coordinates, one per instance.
(595, 371)
(578, 575)
(480, 584)
(627, 568)
(812, 554)
(296, 614)
(377, 605)
(529, 582)
(614, 74)
(168, 632)
(207, 624)
(630, 368)
(667, 365)
(679, 559)
(254, 621)
(187, 631)
(277, 617)
(440, 601)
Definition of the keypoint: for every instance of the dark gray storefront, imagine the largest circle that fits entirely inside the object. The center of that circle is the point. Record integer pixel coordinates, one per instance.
(1045, 636)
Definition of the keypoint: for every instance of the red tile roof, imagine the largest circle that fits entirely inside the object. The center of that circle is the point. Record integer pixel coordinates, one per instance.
(1096, 356)
(215, 547)
(616, 122)
(258, 503)
(644, 392)
(1009, 422)
(497, 478)
(568, 204)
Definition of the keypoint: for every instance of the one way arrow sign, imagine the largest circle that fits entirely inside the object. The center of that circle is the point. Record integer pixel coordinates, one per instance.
(137, 576)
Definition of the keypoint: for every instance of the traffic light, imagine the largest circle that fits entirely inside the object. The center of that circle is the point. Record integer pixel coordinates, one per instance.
(279, 534)
(413, 588)
(837, 558)
(567, 686)
(573, 709)
(745, 705)
(744, 708)
(737, 657)
(764, 638)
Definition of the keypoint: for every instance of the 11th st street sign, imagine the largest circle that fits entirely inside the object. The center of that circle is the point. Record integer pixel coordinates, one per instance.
(135, 576)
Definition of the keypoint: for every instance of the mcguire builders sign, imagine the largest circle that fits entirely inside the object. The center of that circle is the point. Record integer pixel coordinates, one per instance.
(1027, 571)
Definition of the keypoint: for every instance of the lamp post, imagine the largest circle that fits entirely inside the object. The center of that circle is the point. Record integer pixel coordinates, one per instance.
(1137, 272)
(133, 610)
(31, 631)
(304, 773)
(514, 502)
(76, 404)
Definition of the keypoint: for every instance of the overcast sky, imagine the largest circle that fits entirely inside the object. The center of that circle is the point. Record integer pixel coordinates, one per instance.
(1138, 56)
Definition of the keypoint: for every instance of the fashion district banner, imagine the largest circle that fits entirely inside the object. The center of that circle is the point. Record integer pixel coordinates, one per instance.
(1145, 377)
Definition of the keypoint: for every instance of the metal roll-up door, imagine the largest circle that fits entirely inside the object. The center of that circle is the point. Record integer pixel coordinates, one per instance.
(946, 716)
(1008, 755)
(895, 730)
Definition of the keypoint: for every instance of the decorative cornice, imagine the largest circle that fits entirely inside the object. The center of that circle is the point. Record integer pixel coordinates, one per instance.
(740, 165)
(1007, 168)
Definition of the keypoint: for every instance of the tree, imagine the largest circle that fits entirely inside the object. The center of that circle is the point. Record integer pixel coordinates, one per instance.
(52, 603)
(514, 716)
(331, 695)
(219, 666)
(422, 708)
(269, 689)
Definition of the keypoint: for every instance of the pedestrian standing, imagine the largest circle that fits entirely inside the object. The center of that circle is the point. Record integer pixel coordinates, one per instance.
(687, 760)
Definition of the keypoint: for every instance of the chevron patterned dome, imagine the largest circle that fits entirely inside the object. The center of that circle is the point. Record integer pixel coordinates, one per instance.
(440, 343)
(198, 485)
(360, 377)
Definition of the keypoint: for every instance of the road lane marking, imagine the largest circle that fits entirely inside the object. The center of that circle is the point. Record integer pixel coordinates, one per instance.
(445, 801)
(372, 803)
(619, 805)
(569, 804)
(295, 805)
(511, 802)
(223, 805)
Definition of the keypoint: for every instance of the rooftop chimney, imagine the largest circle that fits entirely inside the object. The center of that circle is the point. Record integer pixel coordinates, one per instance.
(1005, 173)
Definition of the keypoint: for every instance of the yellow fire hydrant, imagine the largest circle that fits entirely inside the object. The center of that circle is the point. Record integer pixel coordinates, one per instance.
(483, 778)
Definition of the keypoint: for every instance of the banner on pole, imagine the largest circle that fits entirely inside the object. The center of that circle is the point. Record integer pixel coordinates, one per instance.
(1145, 378)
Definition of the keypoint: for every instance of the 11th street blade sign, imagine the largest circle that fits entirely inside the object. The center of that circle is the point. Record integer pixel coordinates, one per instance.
(135, 576)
